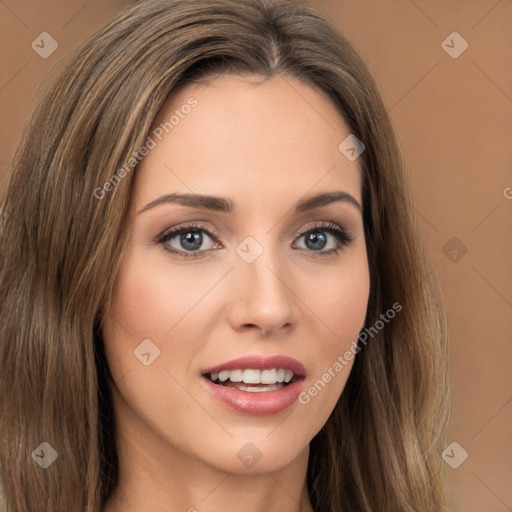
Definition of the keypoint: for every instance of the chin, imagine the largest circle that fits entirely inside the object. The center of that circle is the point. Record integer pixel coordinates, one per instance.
(246, 456)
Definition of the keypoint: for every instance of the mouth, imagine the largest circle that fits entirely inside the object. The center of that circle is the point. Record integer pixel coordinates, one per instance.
(253, 380)
(254, 384)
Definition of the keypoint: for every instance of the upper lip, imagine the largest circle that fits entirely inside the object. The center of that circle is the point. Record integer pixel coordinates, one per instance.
(258, 362)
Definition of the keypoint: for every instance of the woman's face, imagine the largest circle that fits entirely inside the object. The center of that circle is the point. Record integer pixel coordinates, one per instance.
(276, 276)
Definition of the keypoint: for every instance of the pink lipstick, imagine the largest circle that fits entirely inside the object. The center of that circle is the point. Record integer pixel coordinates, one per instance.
(255, 384)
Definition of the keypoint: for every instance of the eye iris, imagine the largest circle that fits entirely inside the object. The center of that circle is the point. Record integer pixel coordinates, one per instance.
(191, 237)
(314, 237)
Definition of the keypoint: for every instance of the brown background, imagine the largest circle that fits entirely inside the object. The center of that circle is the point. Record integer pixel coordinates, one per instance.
(454, 120)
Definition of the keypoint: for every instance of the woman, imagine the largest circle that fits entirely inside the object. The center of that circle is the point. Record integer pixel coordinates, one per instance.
(293, 357)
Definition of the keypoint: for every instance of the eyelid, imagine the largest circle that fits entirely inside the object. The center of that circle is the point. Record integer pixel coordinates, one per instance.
(196, 225)
(343, 236)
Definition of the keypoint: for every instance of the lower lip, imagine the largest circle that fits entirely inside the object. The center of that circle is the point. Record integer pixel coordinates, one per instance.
(260, 403)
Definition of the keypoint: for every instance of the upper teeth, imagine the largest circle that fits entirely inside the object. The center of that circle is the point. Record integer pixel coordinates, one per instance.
(254, 376)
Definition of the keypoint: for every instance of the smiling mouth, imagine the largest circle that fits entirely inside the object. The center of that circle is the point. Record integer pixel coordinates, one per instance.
(253, 380)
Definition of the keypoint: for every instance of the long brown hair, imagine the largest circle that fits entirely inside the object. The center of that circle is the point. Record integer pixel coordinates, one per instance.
(61, 242)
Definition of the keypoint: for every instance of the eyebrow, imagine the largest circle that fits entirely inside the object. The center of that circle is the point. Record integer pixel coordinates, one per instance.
(225, 205)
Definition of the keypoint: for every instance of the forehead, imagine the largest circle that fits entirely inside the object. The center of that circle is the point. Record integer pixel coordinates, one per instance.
(247, 138)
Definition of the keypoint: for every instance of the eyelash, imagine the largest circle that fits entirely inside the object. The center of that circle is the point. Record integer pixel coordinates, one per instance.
(340, 234)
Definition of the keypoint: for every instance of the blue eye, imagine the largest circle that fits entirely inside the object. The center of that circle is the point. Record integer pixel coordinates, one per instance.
(191, 238)
(312, 237)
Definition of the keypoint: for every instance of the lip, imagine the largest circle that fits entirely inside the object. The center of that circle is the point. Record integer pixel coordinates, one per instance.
(260, 404)
(256, 403)
(256, 362)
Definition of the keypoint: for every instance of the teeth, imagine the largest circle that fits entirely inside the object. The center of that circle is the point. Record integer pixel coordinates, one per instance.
(268, 376)
(224, 375)
(250, 376)
(288, 375)
(254, 389)
(236, 375)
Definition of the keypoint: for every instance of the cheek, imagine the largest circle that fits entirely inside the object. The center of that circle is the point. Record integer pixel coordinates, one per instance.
(148, 311)
(144, 306)
(341, 301)
(149, 300)
(341, 304)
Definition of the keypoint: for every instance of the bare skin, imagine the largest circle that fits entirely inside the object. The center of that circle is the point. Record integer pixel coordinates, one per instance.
(266, 146)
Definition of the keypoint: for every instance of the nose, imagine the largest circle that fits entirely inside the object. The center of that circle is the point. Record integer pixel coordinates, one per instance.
(262, 295)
